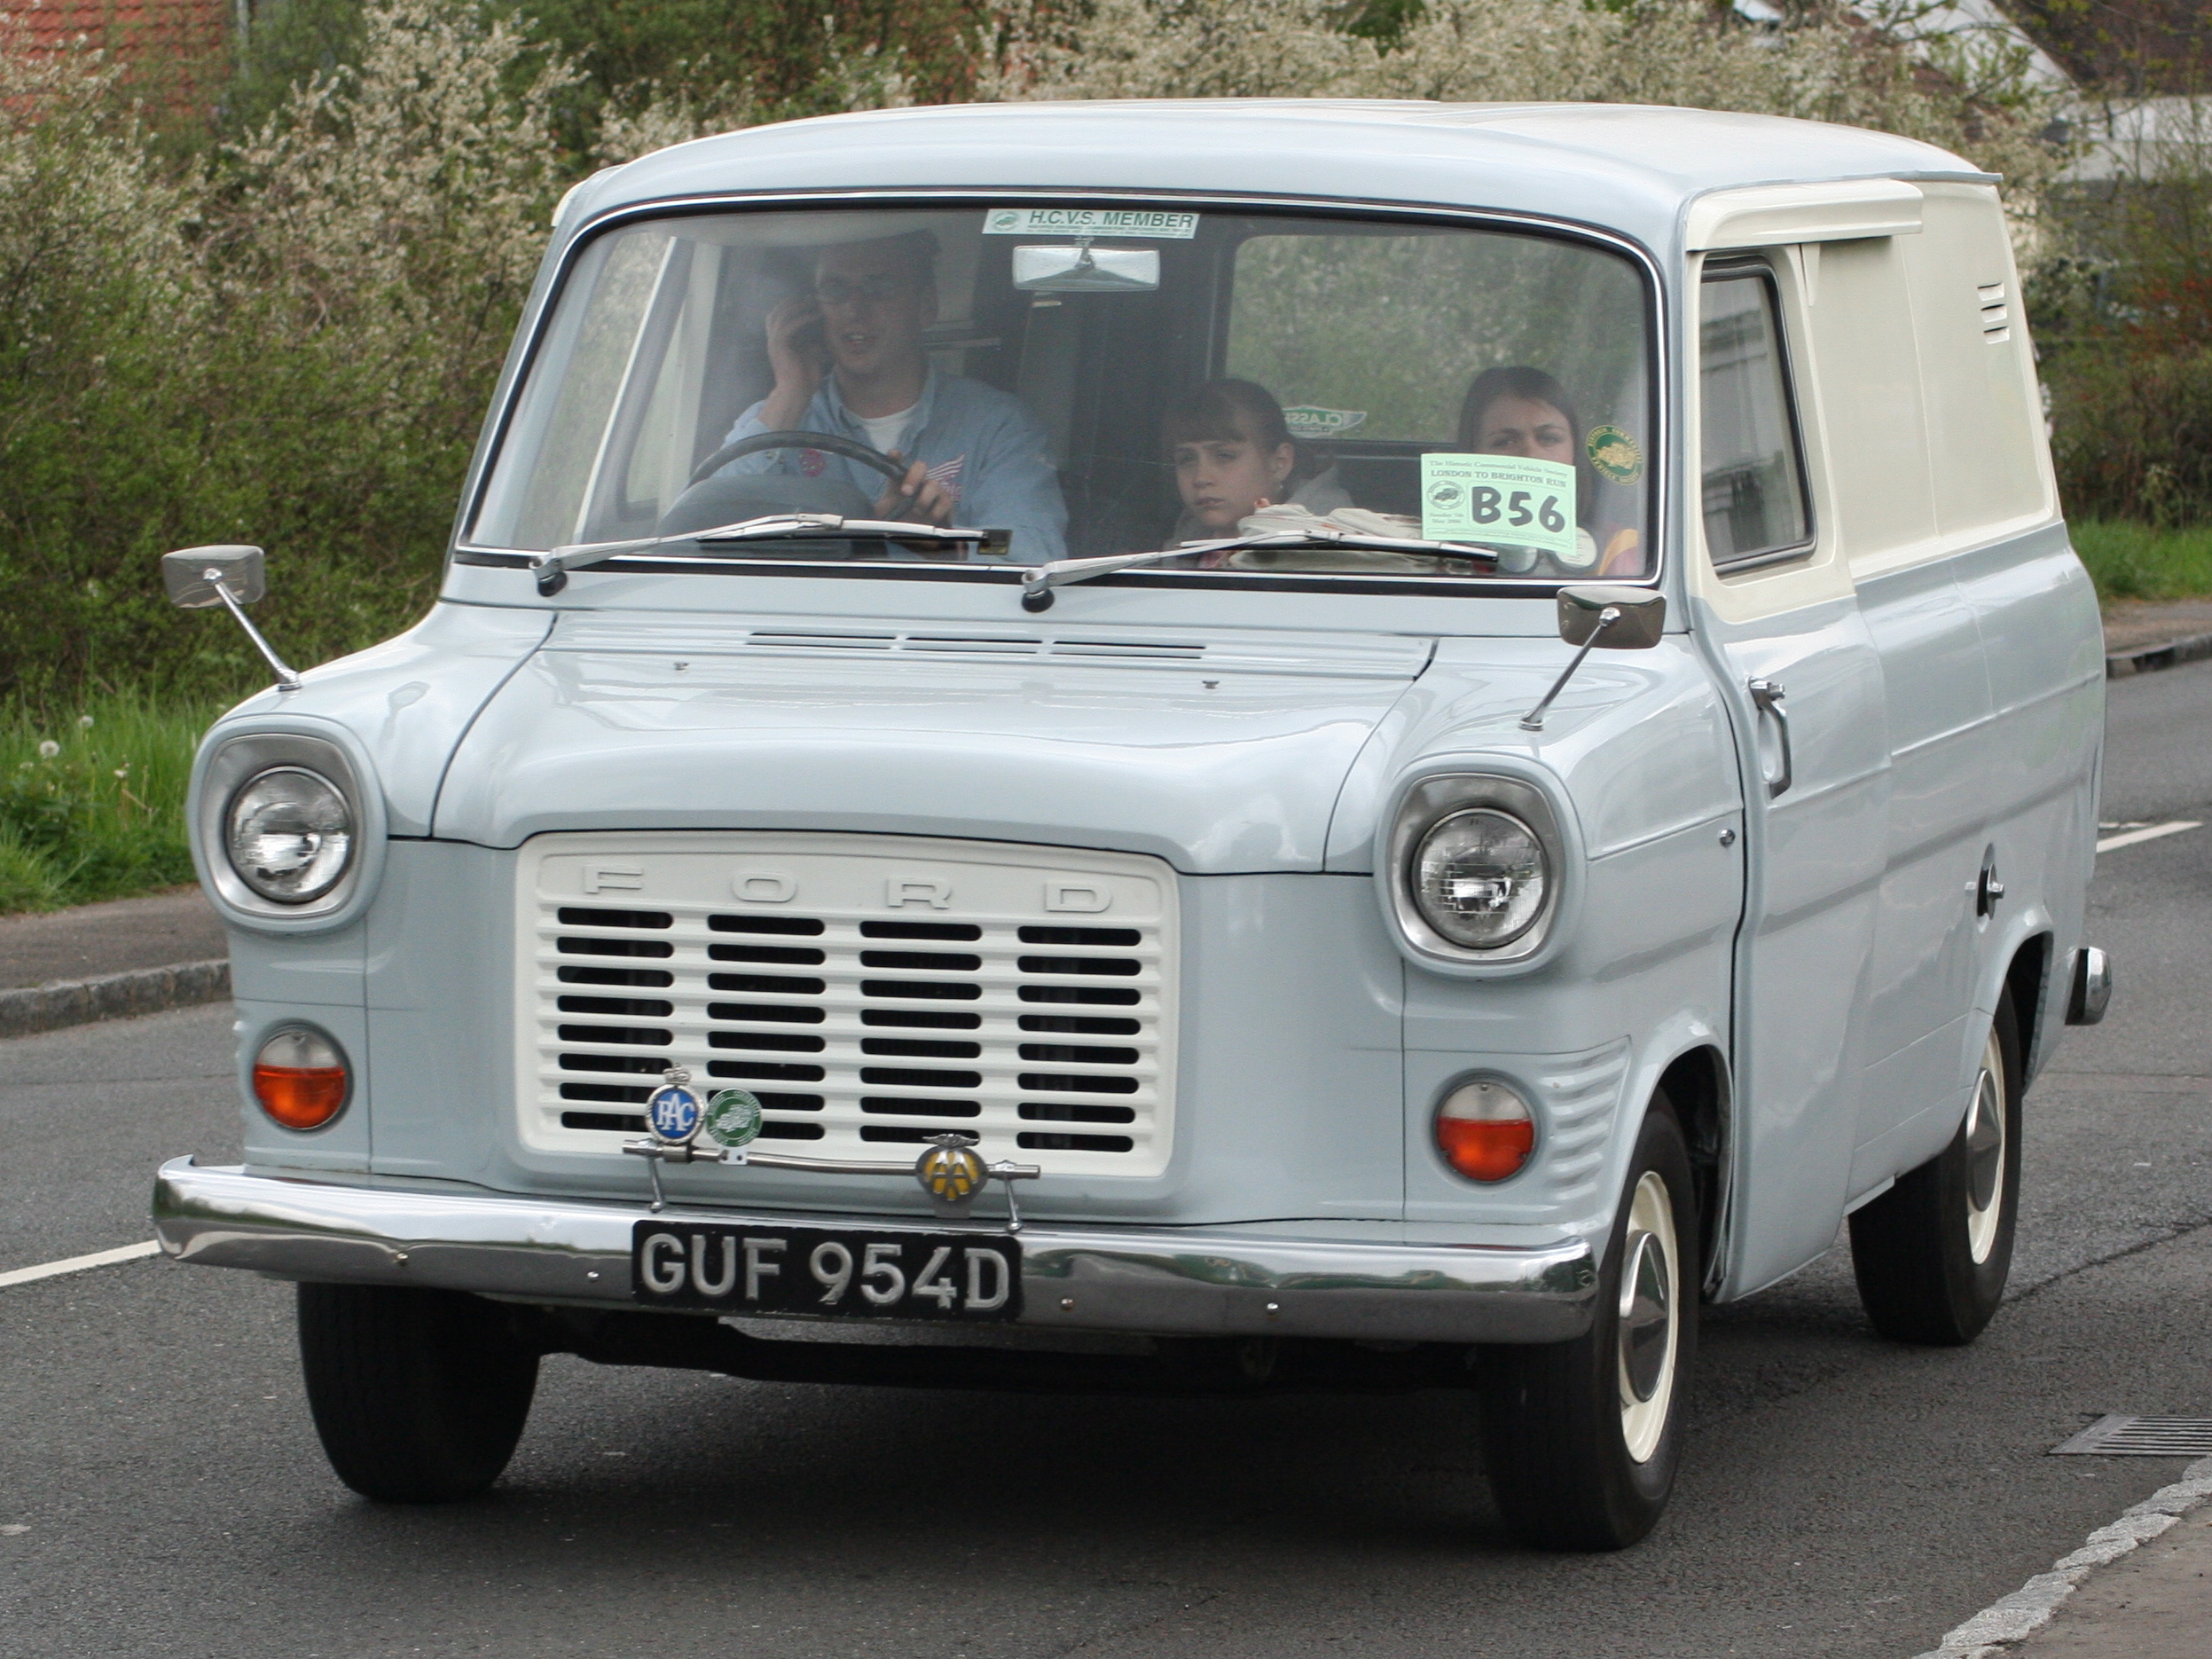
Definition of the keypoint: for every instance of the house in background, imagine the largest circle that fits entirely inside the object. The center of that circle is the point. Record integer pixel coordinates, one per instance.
(173, 51)
(2137, 74)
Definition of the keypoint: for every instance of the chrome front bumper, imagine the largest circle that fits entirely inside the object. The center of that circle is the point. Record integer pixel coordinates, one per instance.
(1161, 1281)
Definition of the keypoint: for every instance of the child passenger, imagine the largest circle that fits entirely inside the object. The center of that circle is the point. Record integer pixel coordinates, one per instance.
(1232, 455)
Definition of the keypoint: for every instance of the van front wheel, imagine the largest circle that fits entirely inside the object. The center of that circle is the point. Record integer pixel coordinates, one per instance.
(419, 1395)
(1931, 1254)
(1582, 1438)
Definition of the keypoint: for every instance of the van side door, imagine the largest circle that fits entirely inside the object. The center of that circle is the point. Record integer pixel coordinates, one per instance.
(1772, 603)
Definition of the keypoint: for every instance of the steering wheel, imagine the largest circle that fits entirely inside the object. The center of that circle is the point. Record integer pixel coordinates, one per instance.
(794, 438)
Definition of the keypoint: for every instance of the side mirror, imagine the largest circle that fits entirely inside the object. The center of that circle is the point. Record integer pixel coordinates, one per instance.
(1617, 618)
(1641, 618)
(199, 579)
(191, 576)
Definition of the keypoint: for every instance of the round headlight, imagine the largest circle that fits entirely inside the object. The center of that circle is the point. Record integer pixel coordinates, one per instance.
(1479, 877)
(289, 833)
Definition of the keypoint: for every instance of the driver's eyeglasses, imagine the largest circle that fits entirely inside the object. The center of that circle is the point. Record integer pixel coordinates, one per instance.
(875, 290)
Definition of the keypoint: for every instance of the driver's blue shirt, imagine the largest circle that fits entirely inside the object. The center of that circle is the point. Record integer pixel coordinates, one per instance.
(984, 446)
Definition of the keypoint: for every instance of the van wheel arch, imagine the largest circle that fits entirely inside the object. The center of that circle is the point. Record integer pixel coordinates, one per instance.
(1695, 1090)
(2027, 981)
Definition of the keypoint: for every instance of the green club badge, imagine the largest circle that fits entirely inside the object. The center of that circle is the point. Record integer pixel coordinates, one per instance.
(734, 1117)
(1615, 456)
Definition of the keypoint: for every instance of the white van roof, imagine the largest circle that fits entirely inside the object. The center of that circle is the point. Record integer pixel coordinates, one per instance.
(1630, 167)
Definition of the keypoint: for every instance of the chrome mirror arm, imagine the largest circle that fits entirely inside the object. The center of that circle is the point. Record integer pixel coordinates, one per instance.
(1533, 720)
(287, 679)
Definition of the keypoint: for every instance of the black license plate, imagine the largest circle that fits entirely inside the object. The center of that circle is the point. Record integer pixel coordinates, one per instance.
(818, 1270)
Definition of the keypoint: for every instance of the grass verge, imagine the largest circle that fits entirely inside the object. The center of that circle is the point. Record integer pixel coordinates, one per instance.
(2142, 562)
(92, 801)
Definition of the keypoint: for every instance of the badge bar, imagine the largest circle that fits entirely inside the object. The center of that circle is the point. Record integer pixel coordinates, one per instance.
(951, 1172)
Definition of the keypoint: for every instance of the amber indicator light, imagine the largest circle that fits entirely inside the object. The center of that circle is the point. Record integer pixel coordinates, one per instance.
(1485, 1130)
(300, 1079)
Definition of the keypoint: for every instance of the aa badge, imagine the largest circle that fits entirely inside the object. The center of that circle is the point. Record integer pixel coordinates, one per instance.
(951, 1171)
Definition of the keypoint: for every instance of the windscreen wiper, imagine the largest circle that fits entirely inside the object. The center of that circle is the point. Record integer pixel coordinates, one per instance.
(1038, 580)
(552, 569)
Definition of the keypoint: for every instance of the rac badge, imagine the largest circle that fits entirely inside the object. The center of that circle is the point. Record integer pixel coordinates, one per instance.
(951, 1171)
(672, 1112)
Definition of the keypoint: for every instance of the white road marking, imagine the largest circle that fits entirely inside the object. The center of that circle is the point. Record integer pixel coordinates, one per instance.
(2149, 832)
(77, 1264)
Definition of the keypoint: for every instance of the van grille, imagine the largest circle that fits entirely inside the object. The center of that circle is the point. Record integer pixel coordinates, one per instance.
(862, 1027)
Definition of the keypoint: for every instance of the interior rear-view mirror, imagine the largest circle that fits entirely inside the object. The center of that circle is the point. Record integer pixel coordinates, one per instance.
(1081, 269)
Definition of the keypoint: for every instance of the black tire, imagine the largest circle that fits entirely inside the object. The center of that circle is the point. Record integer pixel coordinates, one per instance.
(1914, 1249)
(419, 1396)
(1557, 1417)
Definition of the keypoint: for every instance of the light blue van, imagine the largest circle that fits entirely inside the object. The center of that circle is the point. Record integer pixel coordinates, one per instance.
(1251, 745)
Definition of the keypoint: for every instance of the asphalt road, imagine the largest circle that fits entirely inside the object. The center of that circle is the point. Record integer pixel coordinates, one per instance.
(162, 1492)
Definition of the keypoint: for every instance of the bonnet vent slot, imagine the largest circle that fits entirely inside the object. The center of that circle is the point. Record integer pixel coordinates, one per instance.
(1146, 650)
(802, 641)
(990, 644)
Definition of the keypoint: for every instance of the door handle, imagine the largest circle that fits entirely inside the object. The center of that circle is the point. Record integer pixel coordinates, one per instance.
(1768, 695)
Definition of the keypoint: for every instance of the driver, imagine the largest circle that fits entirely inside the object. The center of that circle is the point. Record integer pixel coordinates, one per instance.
(849, 360)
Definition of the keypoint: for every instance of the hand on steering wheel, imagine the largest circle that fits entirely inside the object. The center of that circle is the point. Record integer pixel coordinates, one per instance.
(909, 492)
(916, 497)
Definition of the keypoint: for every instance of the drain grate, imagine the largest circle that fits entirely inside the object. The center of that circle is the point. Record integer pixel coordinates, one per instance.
(2142, 1437)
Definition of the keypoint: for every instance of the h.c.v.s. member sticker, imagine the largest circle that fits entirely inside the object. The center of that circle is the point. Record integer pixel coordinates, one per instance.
(1151, 222)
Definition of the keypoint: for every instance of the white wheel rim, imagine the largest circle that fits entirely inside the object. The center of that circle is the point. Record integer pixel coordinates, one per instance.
(1650, 1322)
(1986, 1152)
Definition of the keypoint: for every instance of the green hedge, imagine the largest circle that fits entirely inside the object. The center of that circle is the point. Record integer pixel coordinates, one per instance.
(2132, 436)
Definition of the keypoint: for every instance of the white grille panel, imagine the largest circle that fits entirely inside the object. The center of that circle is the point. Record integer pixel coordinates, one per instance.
(872, 990)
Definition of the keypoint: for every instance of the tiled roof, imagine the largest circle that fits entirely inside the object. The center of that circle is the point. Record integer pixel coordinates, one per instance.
(171, 50)
(132, 29)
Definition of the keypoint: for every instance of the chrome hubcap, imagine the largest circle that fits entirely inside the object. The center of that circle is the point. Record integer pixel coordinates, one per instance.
(1985, 1154)
(1650, 1320)
(1644, 1321)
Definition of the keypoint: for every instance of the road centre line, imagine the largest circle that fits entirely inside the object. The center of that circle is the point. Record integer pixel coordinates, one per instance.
(78, 1263)
(2148, 832)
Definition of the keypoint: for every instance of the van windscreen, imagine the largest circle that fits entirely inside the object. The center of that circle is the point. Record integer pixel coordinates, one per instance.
(1090, 378)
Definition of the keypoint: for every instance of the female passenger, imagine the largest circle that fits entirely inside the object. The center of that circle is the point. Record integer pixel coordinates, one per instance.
(1525, 412)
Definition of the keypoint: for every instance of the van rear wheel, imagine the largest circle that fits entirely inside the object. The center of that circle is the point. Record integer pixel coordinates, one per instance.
(419, 1395)
(1931, 1254)
(1582, 1438)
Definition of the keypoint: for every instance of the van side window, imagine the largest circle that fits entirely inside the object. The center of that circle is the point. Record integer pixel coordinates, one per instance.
(1756, 504)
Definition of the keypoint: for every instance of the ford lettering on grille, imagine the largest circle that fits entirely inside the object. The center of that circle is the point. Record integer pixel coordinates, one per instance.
(870, 992)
